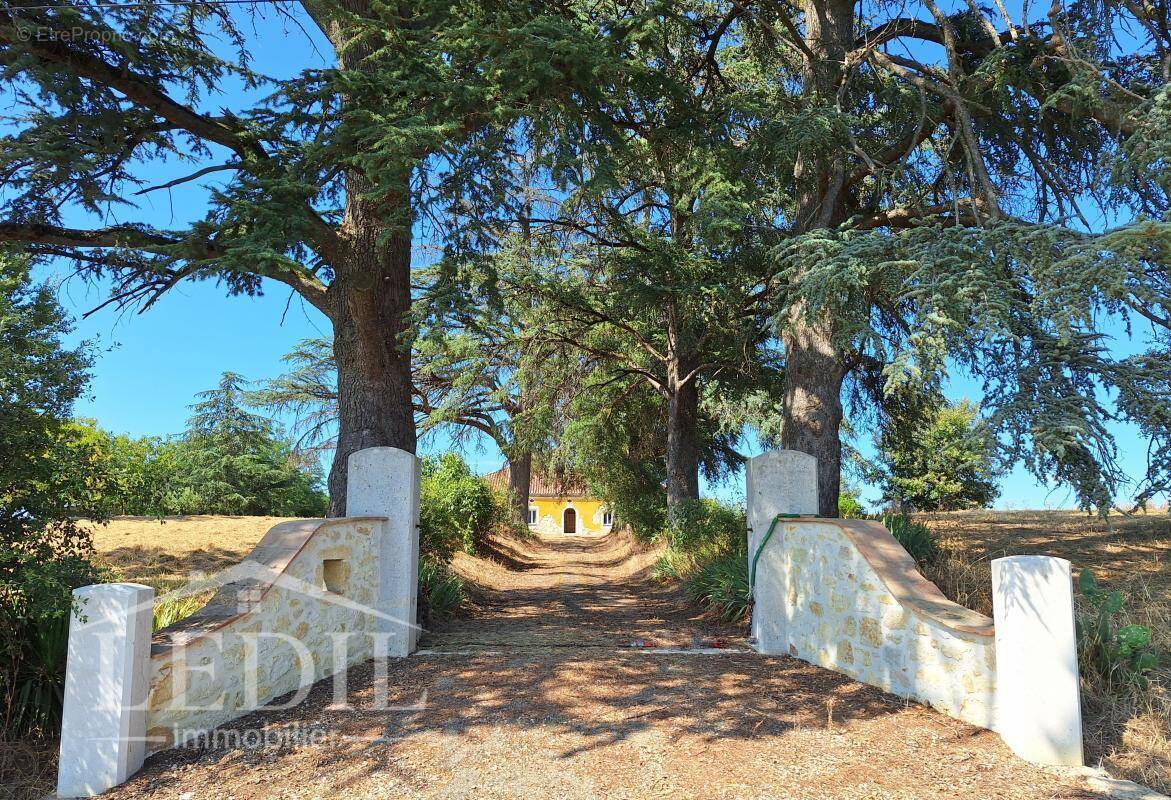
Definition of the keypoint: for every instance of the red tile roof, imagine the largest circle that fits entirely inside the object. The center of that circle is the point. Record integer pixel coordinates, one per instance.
(540, 485)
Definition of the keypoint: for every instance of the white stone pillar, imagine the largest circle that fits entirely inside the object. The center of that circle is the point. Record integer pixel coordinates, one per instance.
(384, 482)
(1038, 695)
(107, 677)
(777, 482)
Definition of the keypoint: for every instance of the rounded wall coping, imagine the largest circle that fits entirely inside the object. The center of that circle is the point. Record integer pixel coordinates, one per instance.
(274, 553)
(900, 575)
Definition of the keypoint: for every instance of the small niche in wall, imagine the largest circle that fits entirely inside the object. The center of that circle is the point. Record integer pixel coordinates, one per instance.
(335, 574)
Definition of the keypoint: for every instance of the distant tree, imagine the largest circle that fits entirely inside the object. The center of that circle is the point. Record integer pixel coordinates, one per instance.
(232, 460)
(942, 460)
(229, 460)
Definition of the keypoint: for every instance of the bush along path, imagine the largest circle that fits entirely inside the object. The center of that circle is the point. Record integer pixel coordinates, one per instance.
(575, 675)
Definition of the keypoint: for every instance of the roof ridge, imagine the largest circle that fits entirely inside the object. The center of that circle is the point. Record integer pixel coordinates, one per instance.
(541, 484)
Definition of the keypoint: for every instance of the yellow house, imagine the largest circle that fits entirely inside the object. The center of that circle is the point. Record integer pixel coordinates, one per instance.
(560, 507)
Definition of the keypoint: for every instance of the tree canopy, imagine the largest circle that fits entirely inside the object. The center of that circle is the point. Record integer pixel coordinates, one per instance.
(784, 215)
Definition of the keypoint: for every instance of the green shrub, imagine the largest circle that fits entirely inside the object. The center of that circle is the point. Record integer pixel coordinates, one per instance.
(915, 537)
(850, 505)
(706, 528)
(441, 591)
(706, 550)
(721, 584)
(1111, 654)
(36, 599)
(456, 508)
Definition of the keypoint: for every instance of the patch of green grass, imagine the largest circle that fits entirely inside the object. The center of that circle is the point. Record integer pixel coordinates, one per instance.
(721, 584)
(168, 611)
(440, 589)
(673, 565)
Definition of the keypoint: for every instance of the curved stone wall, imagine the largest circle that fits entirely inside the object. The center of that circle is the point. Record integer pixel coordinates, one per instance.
(845, 595)
(273, 627)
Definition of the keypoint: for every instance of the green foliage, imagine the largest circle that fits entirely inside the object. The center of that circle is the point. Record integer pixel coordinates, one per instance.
(915, 537)
(1046, 368)
(441, 591)
(237, 464)
(703, 530)
(228, 461)
(705, 527)
(673, 303)
(615, 441)
(39, 381)
(672, 565)
(721, 583)
(457, 509)
(169, 610)
(1110, 653)
(942, 458)
(50, 473)
(850, 505)
(439, 77)
(707, 551)
(35, 604)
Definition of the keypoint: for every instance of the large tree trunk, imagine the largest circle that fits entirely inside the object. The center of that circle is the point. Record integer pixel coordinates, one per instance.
(520, 470)
(812, 415)
(682, 419)
(682, 447)
(371, 298)
(814, 362)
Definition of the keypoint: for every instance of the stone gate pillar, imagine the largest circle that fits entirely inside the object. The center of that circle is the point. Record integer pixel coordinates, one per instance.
(1038, 690)
(776, 482)
(384, 482)
(103, 722)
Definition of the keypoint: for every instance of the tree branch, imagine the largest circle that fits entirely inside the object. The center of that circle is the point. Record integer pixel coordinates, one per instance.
(131, 237)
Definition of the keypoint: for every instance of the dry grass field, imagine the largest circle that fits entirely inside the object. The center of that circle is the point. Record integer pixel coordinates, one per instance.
(1125, 552)
(1130, 733)
(164, 552)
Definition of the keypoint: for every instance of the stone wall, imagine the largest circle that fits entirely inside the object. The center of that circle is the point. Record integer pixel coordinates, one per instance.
(313, 598)
(300, 608)
(844, 594)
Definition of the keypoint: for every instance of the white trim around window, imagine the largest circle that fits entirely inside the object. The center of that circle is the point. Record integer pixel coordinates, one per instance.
(532, 515)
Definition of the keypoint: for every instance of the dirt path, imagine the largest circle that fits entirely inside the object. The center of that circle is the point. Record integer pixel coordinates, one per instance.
(573, 591)
(537, 694)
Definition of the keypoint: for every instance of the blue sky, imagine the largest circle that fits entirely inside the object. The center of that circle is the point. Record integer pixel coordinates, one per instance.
(150, 366)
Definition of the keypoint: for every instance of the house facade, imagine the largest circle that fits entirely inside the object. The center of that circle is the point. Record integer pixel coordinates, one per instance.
(560, 507)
